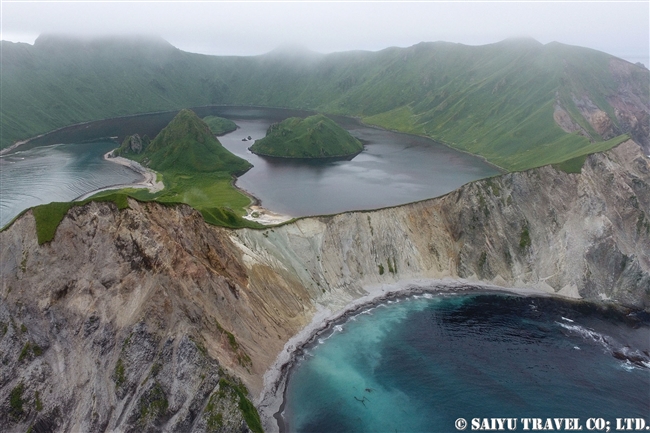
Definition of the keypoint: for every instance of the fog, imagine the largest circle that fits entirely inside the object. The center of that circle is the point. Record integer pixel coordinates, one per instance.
(621, 29)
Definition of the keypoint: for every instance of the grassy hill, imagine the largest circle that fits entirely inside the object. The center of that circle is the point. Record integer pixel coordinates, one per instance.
(219, 125)
(313, 137)
(517, 103)
(188, 146)
(196, 170)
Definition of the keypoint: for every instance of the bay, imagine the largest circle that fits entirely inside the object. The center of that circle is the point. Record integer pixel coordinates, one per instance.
(419, 364)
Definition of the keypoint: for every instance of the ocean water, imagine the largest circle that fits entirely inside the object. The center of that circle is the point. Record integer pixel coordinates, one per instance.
(418, 364)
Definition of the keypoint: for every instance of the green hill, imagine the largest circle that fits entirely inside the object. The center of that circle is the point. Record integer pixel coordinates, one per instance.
(313, 137)
(518, 103)
(195, 168)
(187, 145)
(219, 125)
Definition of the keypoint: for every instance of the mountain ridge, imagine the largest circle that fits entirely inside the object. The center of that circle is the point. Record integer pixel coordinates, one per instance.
(498, 101)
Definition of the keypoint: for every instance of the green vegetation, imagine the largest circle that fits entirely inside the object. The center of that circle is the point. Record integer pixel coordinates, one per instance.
(242, 357)
(246, 408)
(199, 346)
(573, 165)
(494, 187)
(392, 267)
(119, 376)
(197, 170)
(16, 401)
(313, 137)
(49, 216)
(482, 260)
(153, 404)
(214, 419)
(495, 100)
(188, 146)
(132, 144)
(219, 125)
(524, 239)
(28, 350)
(23, 262)
(381, 269)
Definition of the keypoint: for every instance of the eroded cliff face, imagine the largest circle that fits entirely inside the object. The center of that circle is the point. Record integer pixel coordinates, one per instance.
(129, 320)
(582, 235)
(628, 110)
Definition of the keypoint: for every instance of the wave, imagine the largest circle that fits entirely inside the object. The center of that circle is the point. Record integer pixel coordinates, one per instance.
(624, 353)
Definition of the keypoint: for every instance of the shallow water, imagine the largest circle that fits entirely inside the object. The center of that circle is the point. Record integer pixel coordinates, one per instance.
(421, 363)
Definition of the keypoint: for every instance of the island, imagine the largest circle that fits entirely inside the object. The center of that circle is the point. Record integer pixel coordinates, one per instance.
(311, 138)
(220, 126)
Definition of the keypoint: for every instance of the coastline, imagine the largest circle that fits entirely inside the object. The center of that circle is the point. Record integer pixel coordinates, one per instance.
(148, 177)
(257, 213)
(270, 403)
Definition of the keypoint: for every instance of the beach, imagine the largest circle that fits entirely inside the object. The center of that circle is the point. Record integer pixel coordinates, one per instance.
(149, 177)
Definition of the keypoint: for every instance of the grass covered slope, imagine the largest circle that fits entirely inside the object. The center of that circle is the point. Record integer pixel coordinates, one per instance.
(196, 170)
(313, 137)
(219, 125)
(188, 146)
(518, 103)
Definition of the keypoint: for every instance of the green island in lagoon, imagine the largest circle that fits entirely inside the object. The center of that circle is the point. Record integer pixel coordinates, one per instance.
(315, 137)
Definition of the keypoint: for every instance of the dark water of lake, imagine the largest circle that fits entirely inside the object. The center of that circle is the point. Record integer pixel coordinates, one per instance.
(393, 168)
(419, 364)
(58, 172)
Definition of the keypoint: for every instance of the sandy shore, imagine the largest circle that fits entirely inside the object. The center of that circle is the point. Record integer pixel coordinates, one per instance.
(149, 177)
(264, 216)
(271, 400)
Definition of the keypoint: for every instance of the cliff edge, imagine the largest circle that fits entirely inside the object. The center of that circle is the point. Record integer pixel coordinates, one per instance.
(152, 316)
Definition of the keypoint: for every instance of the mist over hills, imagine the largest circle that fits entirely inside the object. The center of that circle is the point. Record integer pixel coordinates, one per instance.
(518, 103)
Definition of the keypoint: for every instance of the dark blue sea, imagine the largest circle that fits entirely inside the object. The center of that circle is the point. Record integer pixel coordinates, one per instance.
(418, 364)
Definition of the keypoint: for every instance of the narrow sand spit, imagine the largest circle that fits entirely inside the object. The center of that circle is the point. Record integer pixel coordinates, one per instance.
(271, 400)
(148, 181)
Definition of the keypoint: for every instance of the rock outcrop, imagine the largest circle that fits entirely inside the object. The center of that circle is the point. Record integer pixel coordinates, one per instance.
(151, 316)
(132, 144)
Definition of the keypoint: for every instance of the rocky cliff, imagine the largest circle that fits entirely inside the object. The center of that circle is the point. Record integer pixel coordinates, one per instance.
(146, 318)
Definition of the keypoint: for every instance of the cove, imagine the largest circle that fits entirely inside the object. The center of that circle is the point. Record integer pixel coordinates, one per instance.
(393, 169)
(417, 364)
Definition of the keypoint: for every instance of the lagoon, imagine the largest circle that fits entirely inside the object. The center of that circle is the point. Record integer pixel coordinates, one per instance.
(393, 169)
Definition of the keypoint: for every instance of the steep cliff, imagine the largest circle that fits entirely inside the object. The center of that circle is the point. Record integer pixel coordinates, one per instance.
(150, 315)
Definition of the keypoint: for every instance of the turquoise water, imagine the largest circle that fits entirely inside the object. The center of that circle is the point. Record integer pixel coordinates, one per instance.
(421, 363)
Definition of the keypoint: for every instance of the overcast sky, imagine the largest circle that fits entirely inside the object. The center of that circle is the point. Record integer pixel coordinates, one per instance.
(239, 28)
